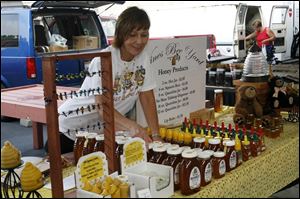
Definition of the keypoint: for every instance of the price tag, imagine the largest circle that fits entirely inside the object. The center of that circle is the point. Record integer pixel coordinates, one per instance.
(134, 153)
(144, 193)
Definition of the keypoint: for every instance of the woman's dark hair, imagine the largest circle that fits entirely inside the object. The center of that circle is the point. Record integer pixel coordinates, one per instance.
(130, 19)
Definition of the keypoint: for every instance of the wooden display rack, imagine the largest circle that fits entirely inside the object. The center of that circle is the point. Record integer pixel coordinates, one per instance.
(49, 76)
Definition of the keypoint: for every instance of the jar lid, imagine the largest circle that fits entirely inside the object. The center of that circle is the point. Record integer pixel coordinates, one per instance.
(167, 145)
(204, 155)
(91, 135)
(100, 137)
(199, 140)
(160, 148)
(81, 134)
(198, 150)
(122, 140)
(218, 91)
(219, 154)
(190, 153)
(123, 178)
(174, 151)
(174, 146)
(210, 152)
(212, 72)
(214, 141)
(220, 69)
(226, 140)
(185, 148)
(230, 143)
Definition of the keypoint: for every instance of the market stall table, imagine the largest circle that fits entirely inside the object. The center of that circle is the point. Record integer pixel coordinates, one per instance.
(259, 177)
(27, 102)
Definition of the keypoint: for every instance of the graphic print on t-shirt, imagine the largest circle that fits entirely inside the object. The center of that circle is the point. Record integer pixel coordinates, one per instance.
(128, 82)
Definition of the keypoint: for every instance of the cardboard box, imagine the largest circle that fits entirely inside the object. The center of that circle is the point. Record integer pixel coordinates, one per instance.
(203, 114)
(56, 48)
(145, 175)
(85, 42)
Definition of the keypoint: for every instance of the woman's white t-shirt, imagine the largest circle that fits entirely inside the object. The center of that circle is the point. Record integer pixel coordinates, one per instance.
(130, 78)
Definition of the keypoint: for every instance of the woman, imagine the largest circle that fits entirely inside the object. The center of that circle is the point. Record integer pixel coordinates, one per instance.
(264, 36)
(132, 80)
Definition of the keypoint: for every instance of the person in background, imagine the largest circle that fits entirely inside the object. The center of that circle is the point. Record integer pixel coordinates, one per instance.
(264, 36)
(132, 79)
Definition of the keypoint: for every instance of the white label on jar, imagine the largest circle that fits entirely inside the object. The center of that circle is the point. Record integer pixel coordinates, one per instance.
(176, 174)
(208, 173)
(232, 160)
(222, 167)
(195, 178)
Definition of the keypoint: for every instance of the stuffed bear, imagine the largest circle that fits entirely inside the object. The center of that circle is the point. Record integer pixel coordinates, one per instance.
(279, 97)
(247, 104)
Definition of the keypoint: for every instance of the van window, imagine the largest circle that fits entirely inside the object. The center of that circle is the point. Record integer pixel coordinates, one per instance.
(9, 30)
(79, 31)
(279, 15)
(109, 26)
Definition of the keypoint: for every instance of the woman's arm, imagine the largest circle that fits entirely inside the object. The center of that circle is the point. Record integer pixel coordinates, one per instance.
(251, 36)
(148, 103)
(271, 35)
(122, 123)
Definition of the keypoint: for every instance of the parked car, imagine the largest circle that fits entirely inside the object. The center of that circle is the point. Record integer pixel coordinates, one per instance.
(30, 31)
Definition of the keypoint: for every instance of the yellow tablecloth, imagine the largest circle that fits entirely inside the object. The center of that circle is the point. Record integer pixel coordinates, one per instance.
(259, 177)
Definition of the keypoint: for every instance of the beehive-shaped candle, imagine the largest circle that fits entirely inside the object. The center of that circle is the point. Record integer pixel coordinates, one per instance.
(31, 178)
(10, 156)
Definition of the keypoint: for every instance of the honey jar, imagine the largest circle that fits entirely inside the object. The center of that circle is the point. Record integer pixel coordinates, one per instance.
(218, 164)
(159, 154)
(199, 142)
(78, 145)
(189, 173)
(174, 159)
(89, 143)
(230, 157)
(218, 99)
(205, 168)
(214, 144)
(246, 150)
(169, 136)
(99, 145)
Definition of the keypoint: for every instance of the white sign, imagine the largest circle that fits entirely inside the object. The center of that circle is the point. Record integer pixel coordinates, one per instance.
(179, 67)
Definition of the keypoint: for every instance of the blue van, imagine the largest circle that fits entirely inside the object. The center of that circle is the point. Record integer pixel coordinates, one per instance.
(28, 32)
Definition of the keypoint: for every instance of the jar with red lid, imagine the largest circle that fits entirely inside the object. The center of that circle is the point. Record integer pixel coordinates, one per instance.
(189, 173)
(231, 156)
(218, 164)
(174, 159)
(205, 168)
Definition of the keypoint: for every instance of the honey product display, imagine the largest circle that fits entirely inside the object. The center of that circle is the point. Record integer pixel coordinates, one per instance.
(238, 149)
(246, 150)
(10, 156)
(205, 168)
(173, 159)
(31, 178)
(169, 136)
(119, 150)
(218, 164)
(189, 174)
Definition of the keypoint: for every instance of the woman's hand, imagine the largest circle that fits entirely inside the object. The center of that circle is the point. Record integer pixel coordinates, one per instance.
(138, 131)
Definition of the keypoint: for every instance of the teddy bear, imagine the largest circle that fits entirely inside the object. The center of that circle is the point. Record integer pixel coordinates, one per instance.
(247, 104)
(279, 96)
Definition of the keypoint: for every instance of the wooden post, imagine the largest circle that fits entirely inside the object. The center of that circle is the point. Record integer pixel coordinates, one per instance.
(52, 127)
(49, 76)
(108, 113)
